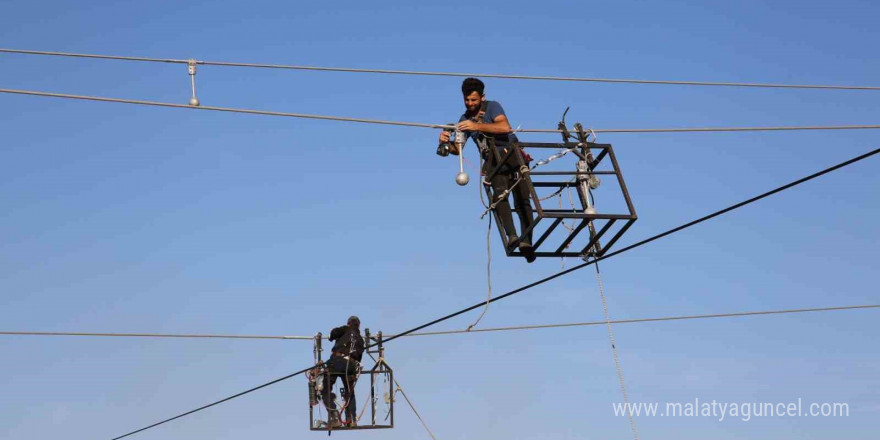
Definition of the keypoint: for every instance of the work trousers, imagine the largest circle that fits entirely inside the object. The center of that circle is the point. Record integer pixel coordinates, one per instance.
(347, 370)
(506, 177)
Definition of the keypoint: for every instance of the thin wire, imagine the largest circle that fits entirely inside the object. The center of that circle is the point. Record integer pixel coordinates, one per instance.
(716, 129)
(488, 275)
(221, 109)
(464, 331)
(456, 74)
(85, 55)
(400, 388)
(424, 125)
(544, 280)
(641, 320)
(157, 335)
(632, 422)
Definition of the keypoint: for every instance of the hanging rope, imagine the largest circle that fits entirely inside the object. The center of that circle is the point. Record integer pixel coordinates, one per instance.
(632, 422)
(488, 252)
(488, 274)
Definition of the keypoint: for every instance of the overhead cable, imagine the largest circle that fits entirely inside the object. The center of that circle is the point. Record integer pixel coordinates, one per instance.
(157, 335)
(543, 280)
(220, 109)
(461, 331)
(425, 125)
(452, 74)
(217, 402)
(639, 320)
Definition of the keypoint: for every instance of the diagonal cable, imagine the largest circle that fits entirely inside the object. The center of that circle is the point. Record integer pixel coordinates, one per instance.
(415, 411)
(645, 241)
(215, 403)
(551, 277)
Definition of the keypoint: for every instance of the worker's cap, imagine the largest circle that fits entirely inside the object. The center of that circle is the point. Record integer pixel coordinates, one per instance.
(354, 320)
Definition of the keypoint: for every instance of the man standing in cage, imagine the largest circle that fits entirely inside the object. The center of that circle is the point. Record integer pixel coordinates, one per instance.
(485, 122)
(344, 362)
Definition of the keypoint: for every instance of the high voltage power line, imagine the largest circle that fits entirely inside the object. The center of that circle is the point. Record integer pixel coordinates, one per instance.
(536, 283)
(447, 74)
(426, 125)
(453, 332)
(413, 332)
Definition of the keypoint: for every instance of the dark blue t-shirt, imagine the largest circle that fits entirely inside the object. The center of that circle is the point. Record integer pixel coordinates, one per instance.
(493, 110)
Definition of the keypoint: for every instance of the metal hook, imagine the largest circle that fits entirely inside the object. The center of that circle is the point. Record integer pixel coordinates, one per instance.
(561, 126)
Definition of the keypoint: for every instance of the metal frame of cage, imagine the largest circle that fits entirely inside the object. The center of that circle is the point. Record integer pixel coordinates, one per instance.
(380, 369)
(584, 151)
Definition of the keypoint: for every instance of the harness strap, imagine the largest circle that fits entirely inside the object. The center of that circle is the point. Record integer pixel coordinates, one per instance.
(481, 113)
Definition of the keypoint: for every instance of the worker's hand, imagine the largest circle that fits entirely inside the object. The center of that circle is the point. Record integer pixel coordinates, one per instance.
(453, 148)
(468, 126)
(444, 136)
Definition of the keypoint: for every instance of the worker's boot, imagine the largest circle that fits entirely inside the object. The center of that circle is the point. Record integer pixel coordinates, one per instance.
(333, 419)
(511, 241)
(527, 250)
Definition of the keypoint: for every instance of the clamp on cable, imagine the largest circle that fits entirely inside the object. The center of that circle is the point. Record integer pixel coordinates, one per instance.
(191, 69)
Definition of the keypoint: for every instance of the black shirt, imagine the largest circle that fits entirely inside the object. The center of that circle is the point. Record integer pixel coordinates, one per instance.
(348, 342)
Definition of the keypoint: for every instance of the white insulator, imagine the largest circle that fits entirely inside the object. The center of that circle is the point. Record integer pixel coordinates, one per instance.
(459, 138)
(462, 178)
(594, 181)
(191, 69)
(582, 167)
(590, 210)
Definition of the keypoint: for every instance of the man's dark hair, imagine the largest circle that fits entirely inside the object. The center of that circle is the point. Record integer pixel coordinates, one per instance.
(471, 85)
(354, 321)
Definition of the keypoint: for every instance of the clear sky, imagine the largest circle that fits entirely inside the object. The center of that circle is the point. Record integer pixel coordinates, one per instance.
(120, 218)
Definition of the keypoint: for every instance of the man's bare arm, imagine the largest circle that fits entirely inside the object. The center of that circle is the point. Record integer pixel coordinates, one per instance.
(499, 126)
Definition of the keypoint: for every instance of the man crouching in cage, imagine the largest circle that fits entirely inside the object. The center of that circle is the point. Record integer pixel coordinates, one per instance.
(345, 362)
(485, 122)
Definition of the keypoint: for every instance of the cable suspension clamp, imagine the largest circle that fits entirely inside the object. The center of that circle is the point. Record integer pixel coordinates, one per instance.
(191, 69)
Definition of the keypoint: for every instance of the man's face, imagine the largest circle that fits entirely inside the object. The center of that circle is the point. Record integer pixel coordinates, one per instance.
(472, 102)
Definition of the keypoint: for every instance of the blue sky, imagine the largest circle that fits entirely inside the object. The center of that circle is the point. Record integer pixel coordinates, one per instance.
(133, 219)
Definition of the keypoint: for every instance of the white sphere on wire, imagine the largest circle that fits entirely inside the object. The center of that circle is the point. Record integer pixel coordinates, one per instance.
(194, 101)
(462, 179)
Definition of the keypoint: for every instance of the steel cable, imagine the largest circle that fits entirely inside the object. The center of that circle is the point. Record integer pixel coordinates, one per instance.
(452, 74)
(426, 125)
(463, 331)
(543, 280)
